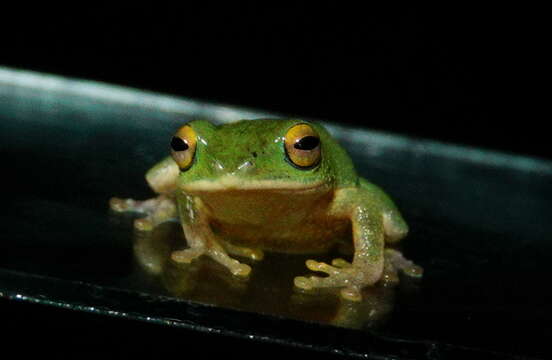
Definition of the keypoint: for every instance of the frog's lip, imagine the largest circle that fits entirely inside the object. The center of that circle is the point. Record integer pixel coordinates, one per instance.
(237, 184)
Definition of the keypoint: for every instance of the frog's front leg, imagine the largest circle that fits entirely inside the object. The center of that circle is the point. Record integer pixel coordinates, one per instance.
(162, 179)
(201, 239)
(157, 210)
(368, 260)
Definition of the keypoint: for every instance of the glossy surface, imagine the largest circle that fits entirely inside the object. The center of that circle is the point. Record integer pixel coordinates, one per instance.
(480, 225)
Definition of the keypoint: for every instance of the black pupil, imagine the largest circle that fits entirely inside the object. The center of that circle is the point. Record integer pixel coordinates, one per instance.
(307, 143)
(177, 144)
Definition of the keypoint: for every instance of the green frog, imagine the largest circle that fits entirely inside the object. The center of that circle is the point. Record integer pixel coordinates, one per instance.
(281, 185)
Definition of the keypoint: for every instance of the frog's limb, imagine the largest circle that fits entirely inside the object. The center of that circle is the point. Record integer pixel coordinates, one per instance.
(367, 265)
(394, 225)
(396, 260)
(162, 179)
(157, 210)
(374, 219)
(201, 239)
(253, 254)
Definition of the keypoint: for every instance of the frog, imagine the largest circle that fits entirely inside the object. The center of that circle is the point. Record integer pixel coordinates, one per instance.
(244, 188)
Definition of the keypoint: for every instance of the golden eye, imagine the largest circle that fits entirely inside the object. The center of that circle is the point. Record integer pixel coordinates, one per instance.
(183, 147)
(302, 145)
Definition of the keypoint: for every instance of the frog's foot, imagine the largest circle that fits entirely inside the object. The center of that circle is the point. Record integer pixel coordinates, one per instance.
(253, 254)
(236, 268)
(395, 261)
(157, 210)
(340, 274)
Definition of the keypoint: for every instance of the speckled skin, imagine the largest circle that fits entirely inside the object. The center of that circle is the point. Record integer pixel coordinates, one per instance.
(242, 195)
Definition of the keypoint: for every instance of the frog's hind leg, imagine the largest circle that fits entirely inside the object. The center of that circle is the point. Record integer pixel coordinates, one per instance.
(157, 210)
(395, 262)
(395, 227)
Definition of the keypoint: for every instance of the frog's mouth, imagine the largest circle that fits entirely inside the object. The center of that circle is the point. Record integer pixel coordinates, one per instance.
(232, 183)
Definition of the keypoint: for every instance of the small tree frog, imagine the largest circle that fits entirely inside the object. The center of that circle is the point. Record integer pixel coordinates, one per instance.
(281, 185)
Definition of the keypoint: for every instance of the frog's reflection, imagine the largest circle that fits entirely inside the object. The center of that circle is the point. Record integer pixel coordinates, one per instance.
(268, 290)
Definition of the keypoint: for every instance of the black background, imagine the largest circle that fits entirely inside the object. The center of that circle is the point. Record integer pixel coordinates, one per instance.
(467, 75)
(461, 74)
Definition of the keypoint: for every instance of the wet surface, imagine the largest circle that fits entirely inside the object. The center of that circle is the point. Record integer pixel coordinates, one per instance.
(480, 228)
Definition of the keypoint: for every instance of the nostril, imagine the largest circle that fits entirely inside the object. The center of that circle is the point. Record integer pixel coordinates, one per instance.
(218, 166)
(254, 153)
(245, 166)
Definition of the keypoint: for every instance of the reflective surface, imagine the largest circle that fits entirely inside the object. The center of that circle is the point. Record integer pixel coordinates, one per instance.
(268, 290)
(480, 226)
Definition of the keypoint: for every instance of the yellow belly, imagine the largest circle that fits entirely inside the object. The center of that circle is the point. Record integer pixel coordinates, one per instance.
(307, 237)
(292, 222)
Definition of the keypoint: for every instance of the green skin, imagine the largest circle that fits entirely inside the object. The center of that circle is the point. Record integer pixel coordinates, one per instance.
(242, 196)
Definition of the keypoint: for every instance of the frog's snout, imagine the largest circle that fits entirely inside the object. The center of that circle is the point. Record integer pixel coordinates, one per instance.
(244, 167)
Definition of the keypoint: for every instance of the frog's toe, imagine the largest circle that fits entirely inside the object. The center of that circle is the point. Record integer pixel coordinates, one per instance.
(240, 269)
(234, 266)
(341, 263)
(349, 292)
(186, 256)
(337, 276)
(312, 282)
(253, 254)
(322, 267)
(341, 274)
(415, 271)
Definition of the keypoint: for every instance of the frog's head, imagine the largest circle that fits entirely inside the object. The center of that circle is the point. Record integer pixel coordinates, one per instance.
(264, 154)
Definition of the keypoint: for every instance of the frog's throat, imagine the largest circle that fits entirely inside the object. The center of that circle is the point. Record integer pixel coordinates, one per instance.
(231, 183)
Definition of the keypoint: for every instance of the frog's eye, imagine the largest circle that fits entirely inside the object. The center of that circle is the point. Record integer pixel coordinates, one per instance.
(302, 145)
(183, 147)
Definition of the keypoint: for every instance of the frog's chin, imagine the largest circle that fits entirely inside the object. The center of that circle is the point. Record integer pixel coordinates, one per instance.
(232, 183)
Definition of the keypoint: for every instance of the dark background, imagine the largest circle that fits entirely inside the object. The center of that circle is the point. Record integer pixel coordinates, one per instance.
(463, 74)
(460, 74)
